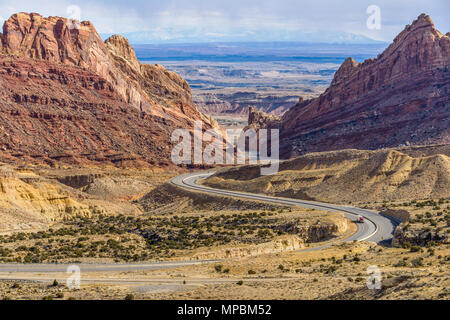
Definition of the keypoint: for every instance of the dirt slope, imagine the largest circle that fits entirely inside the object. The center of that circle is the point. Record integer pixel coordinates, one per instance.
(348, 175)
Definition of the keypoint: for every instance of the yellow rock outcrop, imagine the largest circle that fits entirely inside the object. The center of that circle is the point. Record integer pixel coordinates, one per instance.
(26, 200)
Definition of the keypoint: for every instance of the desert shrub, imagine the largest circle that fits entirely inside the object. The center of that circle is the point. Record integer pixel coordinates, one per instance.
(331, 269)
(417, 262)
(16, 286)
(401, 263)
(406, 245)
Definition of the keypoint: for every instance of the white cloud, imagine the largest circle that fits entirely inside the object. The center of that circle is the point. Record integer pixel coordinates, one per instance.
(171, 18)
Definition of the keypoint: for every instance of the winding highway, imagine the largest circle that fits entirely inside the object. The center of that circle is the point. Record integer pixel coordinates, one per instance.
(376, 228)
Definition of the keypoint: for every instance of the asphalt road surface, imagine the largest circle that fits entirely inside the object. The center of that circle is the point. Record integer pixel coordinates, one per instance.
(104, 267)
(377, 228)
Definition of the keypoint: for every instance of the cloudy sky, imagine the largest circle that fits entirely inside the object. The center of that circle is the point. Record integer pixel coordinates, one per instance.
(173, 20)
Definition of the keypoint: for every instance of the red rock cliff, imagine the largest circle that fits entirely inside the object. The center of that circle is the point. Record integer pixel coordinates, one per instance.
(68, 95)
(401, 97)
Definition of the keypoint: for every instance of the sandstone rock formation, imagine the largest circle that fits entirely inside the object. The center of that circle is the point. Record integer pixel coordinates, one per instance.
(237, 103)
(404, 234)
(67, 95)
(284, 244)
(402, 97)
(27, 201)
(259, 119)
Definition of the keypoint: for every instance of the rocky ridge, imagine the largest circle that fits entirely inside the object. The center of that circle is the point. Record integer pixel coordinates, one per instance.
(259, 119)
(400, 98)
(348, 176)
(69, 96)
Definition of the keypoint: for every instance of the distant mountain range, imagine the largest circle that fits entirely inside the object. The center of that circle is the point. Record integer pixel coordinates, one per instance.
(191, 36)
(401, 97)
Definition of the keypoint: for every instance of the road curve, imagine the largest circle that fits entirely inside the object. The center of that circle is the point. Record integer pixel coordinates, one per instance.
(377, 228)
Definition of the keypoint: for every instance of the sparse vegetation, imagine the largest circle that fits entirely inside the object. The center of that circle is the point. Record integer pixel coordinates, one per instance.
(129, 297)
(126, 238)
(193, 225)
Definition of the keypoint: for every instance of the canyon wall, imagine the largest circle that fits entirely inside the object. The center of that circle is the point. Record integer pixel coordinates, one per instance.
(68, 96)
(402, 97)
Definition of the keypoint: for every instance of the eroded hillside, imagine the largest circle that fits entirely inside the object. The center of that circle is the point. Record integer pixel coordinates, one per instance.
(401, 97)
(69, 97)
(349, 176)
(38, 198)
